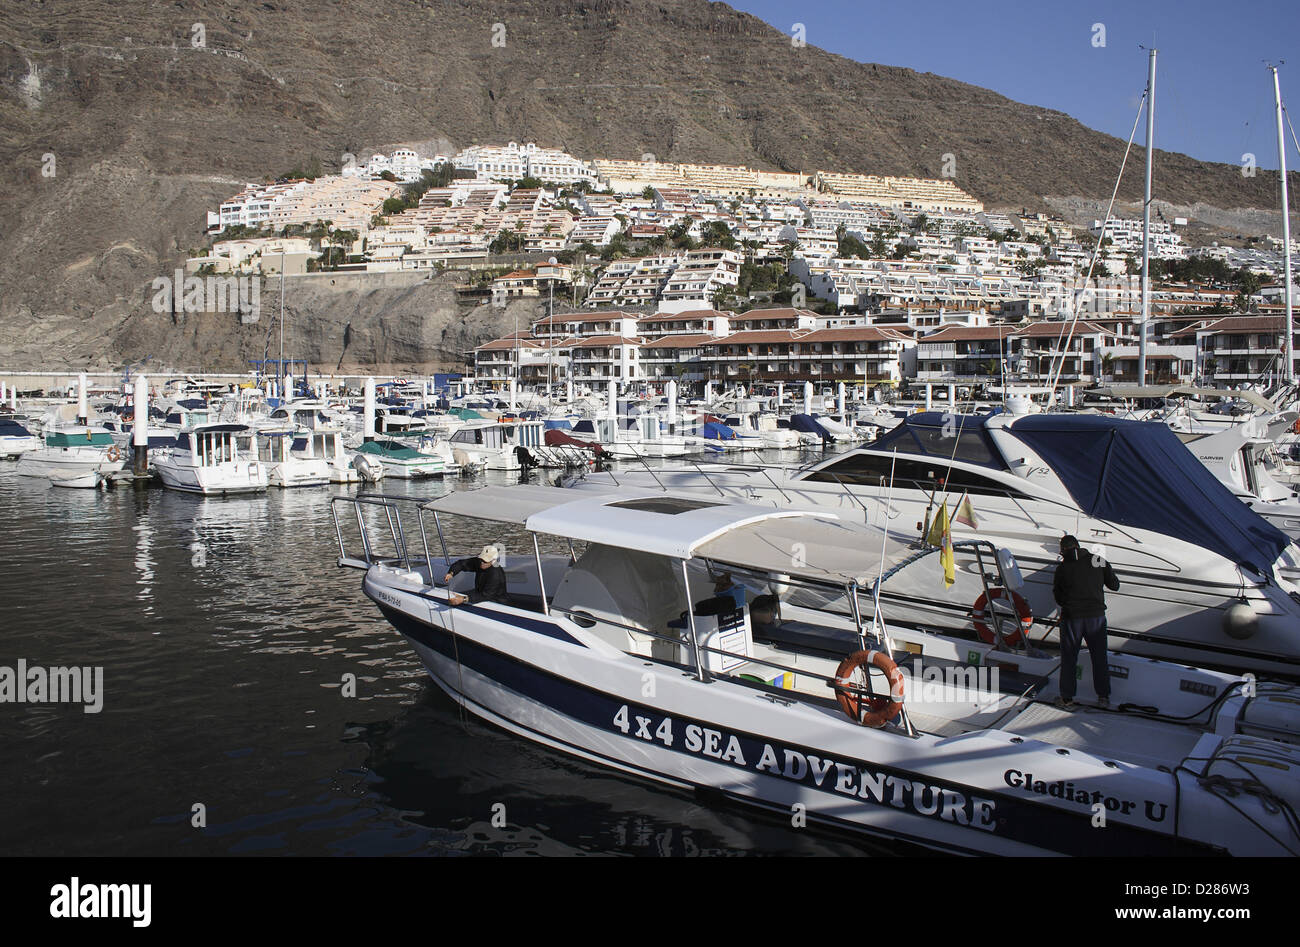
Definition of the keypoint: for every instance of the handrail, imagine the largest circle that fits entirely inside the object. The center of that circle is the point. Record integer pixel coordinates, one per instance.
(397, 530)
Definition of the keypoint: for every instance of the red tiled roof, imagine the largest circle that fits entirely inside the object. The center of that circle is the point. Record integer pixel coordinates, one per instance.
(1059, 327)
(692, 341)
(685, 316)
(602, 341)
(1244, 324)
(969, 333)
(510, 341)
(854, 334)
(764, 335)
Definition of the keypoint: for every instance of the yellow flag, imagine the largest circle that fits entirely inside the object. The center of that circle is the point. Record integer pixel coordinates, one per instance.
(938, 525)
(941, 536)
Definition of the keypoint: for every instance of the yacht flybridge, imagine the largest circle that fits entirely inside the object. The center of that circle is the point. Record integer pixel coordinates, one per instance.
(751, 652)
(1203, 578)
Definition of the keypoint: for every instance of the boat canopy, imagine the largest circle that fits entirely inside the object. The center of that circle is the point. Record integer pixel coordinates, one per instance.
(807, 424)
(1138, 473)
(85, 437)
(812, 545)
(392, 450)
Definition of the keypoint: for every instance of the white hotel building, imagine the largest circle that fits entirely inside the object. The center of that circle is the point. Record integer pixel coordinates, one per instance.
(514, 161)
(1126, 237)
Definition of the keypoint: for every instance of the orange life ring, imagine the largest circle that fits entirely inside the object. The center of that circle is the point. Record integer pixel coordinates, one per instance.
(882, 709)
(114, 454)
(981, 614)
(1295, 426)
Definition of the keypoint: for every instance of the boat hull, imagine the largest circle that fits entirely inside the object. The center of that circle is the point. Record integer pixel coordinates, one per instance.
(526, 673)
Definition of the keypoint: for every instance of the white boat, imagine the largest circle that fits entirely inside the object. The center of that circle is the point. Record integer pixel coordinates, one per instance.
(638, 437)
(590, 657)
(503, 445)
(88, 481)
(213, 460)
(402, 460)
(1203, 578)
(286, 467)
(73, 452)
(326, 445)
(1238, 457)
(764, 429)
(15, 439)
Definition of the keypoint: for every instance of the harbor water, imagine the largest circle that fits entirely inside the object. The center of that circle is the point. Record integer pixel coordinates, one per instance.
(228, 641)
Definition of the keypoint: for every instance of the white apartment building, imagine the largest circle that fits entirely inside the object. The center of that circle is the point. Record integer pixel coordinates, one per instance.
(514, 161)
(252, 206)
(700, 275)
(1126, 237)
(920, 194)
(598, 231)
(346, 202)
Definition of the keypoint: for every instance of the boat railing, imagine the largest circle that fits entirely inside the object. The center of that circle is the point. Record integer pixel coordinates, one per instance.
(392, 511)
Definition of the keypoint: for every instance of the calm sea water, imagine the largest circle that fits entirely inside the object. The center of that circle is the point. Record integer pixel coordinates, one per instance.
(225, 630)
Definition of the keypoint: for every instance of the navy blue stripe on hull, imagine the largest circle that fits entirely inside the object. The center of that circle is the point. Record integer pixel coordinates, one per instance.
(1017, 820)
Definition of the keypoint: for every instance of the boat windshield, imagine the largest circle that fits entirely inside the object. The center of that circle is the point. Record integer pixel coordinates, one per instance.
(943, 435)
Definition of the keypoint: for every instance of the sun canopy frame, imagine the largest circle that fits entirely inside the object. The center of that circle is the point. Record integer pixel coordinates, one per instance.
(813, 545)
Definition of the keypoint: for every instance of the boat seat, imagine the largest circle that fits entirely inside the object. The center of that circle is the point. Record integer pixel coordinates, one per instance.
(841, 642)
(805, 636)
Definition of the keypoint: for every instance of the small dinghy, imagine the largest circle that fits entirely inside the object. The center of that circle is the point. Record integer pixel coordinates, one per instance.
(86, 481)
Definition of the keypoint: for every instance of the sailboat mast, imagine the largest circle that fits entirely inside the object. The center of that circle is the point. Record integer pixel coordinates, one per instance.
(279, 369)
(1146, 220)
(1289, 374)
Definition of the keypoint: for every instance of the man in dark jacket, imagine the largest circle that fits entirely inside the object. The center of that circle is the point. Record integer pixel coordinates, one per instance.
(1080, 589)
(489, 578)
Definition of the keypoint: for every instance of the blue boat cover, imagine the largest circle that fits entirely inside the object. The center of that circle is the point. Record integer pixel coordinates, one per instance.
(715, 430)
(1138, 473)
(807, 424)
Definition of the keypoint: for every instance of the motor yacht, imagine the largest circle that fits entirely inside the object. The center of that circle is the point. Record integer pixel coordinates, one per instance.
(73, 452)
(214, 460)
(1204, 579)
(15, 439)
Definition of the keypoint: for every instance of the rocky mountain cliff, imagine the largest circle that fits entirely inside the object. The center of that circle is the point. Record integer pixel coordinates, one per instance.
(125, 120)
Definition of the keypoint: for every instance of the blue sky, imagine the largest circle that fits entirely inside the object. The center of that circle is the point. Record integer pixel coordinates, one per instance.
(1214, 95)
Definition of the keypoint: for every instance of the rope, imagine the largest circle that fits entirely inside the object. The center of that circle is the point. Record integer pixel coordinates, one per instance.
(1053, 377)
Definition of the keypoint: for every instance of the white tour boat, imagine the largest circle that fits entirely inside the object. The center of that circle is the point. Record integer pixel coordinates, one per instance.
(642, 652)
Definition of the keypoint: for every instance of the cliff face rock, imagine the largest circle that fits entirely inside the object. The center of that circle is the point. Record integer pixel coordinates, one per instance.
(124, 121)
(338, 322)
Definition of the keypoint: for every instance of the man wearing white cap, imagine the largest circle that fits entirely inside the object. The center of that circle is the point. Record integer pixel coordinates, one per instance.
(489, 578)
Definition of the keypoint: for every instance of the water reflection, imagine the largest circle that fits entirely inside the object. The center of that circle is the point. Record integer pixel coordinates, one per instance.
(225, 632)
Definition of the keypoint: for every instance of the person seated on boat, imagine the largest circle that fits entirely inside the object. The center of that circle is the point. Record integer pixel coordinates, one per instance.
(1079, 587)
(489, 578)
(727, 597)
